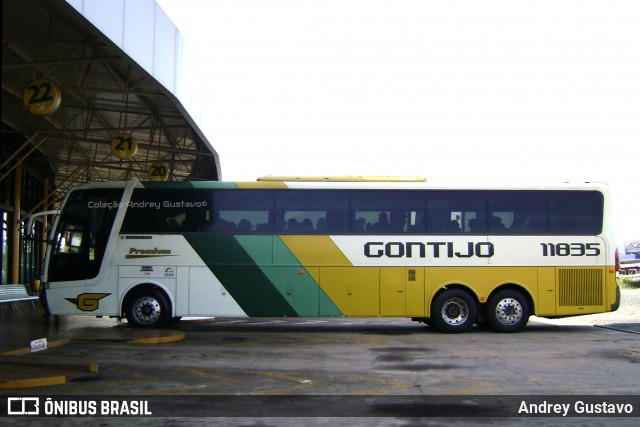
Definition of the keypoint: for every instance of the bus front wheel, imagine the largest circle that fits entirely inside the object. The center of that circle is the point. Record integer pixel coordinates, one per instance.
(148, 308)
(508, 311)
(454, 311)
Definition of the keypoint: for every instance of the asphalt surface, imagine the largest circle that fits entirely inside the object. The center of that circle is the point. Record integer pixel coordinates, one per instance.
(23, 362)
(361, 362)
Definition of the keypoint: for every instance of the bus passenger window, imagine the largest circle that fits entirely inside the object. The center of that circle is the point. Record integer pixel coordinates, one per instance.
(387, 212)
(311, 212)
(575, 212)
(162, 211)
(516, 212)
(238, 212)
(450, 212)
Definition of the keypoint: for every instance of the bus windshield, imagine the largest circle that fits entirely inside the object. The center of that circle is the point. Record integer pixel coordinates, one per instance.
(82, 233)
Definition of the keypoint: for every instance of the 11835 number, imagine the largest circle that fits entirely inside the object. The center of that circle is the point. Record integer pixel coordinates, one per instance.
(570, 249)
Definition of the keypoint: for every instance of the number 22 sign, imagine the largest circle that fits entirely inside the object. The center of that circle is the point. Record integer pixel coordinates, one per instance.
(41, 97)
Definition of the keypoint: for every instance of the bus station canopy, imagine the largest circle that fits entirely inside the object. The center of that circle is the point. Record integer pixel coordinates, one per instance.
(104, 92)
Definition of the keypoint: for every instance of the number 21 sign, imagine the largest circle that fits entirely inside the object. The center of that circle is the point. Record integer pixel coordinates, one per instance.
(124, 146)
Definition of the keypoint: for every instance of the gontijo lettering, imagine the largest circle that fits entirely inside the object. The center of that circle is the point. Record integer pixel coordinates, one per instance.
(428, 249)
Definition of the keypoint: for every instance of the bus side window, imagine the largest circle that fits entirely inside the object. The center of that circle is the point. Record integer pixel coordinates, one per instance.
(387, 212)
(237, 211)
(162, 211)
(311, 212)
(451, 212)
(575, 212)
(516, 212)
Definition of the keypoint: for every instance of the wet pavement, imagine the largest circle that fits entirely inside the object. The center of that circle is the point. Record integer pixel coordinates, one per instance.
(370, 364)
(25, 330)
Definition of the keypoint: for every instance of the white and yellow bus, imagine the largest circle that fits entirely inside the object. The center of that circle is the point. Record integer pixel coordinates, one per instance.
(450, 257)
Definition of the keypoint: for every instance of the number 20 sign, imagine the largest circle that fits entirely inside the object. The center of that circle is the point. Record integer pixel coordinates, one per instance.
(158, 171)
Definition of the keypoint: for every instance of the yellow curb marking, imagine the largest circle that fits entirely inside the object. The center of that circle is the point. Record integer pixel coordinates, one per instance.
(27, 350)
(91, 366)
(158, 340)
(33, 382)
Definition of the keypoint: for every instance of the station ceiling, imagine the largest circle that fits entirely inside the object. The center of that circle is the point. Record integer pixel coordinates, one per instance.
(103, 93)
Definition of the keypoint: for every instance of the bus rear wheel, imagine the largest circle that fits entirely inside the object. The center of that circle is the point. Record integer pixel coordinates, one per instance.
(454, 311)
(508, 311)
(147, 308)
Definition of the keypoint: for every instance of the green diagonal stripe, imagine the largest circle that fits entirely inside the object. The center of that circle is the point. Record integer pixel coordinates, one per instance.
(289, 277)
(244, 280)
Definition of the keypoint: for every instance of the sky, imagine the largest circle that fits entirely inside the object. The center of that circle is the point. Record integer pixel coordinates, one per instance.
(457, 91)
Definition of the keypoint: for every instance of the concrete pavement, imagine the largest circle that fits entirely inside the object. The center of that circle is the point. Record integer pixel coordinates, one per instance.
(24, 329)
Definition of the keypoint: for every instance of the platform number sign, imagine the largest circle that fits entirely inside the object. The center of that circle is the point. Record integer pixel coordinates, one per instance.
(158, 172)
(124, 146)
(41, 97)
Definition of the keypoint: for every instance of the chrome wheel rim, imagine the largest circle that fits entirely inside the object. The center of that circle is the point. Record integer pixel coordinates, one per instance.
(147, 310)
(509, 311)
(455, 311)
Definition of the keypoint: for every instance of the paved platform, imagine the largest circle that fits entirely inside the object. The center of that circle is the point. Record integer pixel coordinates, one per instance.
(24, 322)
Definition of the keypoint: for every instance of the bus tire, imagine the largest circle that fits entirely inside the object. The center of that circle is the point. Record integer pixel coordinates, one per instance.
(148, 308)
(454, 311)
(508, 311)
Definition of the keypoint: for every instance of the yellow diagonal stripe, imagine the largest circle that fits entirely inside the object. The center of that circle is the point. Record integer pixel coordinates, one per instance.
(315, 251)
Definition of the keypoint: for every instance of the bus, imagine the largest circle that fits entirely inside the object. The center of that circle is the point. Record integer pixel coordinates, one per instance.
(451, 257)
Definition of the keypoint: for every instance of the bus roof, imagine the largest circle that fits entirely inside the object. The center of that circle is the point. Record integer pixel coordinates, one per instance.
(343, 178)
(353, 184)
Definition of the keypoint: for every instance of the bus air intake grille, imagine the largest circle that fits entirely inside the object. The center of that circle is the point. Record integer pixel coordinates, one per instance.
(580, 286)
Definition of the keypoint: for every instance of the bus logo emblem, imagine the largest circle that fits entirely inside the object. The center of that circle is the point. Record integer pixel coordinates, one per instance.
(87, 302)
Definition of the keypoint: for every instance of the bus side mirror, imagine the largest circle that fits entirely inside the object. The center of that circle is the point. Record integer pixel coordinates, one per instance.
(28, 231)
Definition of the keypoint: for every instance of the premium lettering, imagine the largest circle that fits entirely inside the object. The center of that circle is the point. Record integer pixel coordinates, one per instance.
(154, 251)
